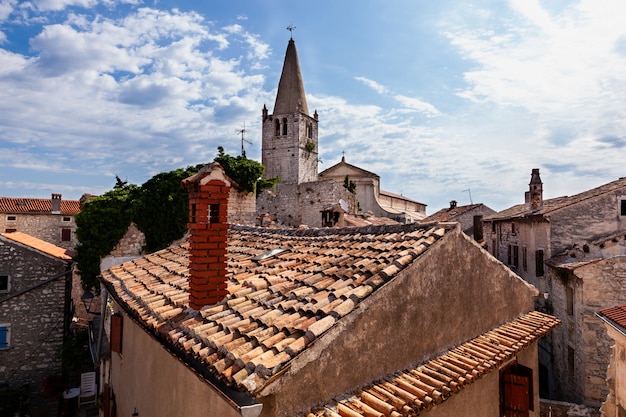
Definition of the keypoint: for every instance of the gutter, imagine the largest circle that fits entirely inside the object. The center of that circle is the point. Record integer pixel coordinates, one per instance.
(611, 323)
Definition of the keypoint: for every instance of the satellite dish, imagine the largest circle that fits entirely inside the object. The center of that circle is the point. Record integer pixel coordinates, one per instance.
(344, 205)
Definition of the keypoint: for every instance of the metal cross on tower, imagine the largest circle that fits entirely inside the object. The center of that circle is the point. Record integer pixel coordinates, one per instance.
(291, 28)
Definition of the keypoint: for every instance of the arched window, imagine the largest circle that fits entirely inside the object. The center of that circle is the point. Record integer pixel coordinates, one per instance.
(284, 126)
(277, 127)
(309, 130)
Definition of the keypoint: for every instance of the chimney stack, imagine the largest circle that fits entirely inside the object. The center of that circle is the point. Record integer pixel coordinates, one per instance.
(56, 204)
(452, 204)
(208, 190)
(535, 193)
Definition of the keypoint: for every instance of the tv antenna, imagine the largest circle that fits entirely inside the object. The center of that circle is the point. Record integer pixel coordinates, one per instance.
(470, 195)
(242, 132)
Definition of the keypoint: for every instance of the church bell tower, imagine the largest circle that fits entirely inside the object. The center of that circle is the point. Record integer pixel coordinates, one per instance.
(289, 143)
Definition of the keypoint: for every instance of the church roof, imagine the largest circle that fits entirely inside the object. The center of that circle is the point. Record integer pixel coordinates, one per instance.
(290, 97)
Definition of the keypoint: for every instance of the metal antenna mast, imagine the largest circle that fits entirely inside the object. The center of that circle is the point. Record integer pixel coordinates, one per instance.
(242, 132)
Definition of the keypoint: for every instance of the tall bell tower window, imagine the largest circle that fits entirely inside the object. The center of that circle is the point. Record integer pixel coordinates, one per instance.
(277, 127)
(284, 126)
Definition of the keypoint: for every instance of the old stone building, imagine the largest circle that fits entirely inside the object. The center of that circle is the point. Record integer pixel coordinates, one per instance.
(51, 220)
(290, 151)
(235, 320)
(572, 249)
(469, 216)
(35, 285)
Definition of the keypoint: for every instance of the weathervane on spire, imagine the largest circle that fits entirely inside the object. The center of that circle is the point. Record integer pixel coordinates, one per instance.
(291, 28)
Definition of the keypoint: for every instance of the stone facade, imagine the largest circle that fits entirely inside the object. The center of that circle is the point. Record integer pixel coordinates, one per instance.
(36, 309)
(51, 220)
(570, 249)
(294, 205)
(581, 348)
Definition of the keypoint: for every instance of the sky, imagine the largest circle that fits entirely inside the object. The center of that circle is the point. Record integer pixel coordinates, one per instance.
(446, 100)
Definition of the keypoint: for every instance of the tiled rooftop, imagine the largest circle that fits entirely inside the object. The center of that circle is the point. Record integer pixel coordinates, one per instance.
(416, 390)
(36, 205)
(449, 214)
(553, 204)
(276, 306)
(38, 244)
(615, 315)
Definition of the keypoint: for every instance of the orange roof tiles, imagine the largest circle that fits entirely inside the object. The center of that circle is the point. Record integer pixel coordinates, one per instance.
(415, 390)
(38, 244)
(615, 315)
(276, 306)
(36, 205)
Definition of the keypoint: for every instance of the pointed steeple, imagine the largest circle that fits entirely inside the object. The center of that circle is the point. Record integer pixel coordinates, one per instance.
(290, 97)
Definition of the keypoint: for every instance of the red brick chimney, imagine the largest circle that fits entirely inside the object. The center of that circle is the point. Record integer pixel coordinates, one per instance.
(208, 190)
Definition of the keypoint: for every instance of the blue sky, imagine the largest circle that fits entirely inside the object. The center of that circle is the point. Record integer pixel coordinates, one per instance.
(444, 100)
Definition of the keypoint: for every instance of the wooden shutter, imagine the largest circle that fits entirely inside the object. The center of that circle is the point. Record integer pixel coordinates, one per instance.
(116, 333)
(516, 394)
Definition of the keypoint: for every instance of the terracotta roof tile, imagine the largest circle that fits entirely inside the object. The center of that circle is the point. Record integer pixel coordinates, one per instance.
(414, 390)
(278, 306)
(36, 206)
(615, 315)
(38, 244)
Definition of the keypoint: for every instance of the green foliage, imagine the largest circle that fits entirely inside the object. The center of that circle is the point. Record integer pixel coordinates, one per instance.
(349, 184)
(310, 146)
(247, 173)
(161, 209)
(100, 224)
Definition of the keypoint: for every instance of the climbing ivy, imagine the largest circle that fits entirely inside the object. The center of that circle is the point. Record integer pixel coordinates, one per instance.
(159, 208)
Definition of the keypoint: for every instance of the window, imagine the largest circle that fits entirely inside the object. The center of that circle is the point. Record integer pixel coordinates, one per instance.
(513, 228)
(4, 283)
(516, 391)
(67, 219)
(571, 355)
(539, 263)
(524, 258)
(513, 256)
(569, 295)
(10, 230)
(5, 336)
(277, 127)
(622, 207)
(11, 218)
(284, 126)
(116, 332)
(66, 235)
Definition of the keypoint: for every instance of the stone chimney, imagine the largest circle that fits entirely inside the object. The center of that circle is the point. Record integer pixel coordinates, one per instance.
(535, 193)
(208, 225)
(56, 204)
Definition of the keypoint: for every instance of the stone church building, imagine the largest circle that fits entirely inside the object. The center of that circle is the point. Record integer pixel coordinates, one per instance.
(290, 151)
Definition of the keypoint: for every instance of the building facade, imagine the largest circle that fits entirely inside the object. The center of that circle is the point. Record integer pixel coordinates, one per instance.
(571, 249)
(35, 302)
(51, 220)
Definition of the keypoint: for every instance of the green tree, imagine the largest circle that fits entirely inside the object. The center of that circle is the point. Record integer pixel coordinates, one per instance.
(161, 208)
(100, 224)
(349, 184)
(247, 173)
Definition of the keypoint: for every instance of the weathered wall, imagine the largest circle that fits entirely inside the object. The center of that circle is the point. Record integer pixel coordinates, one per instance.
(171, 383)
(293, 205)
(36, 317)
(587, 220)
(596, 285)
(427, 297)
(242, 208)
(47, 227)
(615, 404)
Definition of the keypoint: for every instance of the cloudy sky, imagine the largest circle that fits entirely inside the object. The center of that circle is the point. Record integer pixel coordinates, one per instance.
(453, 99)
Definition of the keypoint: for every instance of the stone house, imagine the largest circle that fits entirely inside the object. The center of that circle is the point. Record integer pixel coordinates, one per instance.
(614, 319)
(469, 216)
(244, 321)
(35, 303)
(571, 249)
(290, 151)
(51, 220)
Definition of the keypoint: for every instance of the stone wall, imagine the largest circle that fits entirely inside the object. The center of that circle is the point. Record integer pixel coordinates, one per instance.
(47, 227)
(596, 285)
(36, 318)
(293, 205)
(242, 208)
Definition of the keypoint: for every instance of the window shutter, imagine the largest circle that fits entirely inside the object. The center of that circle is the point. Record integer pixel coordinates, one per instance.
(116, 333)
(515, 395)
